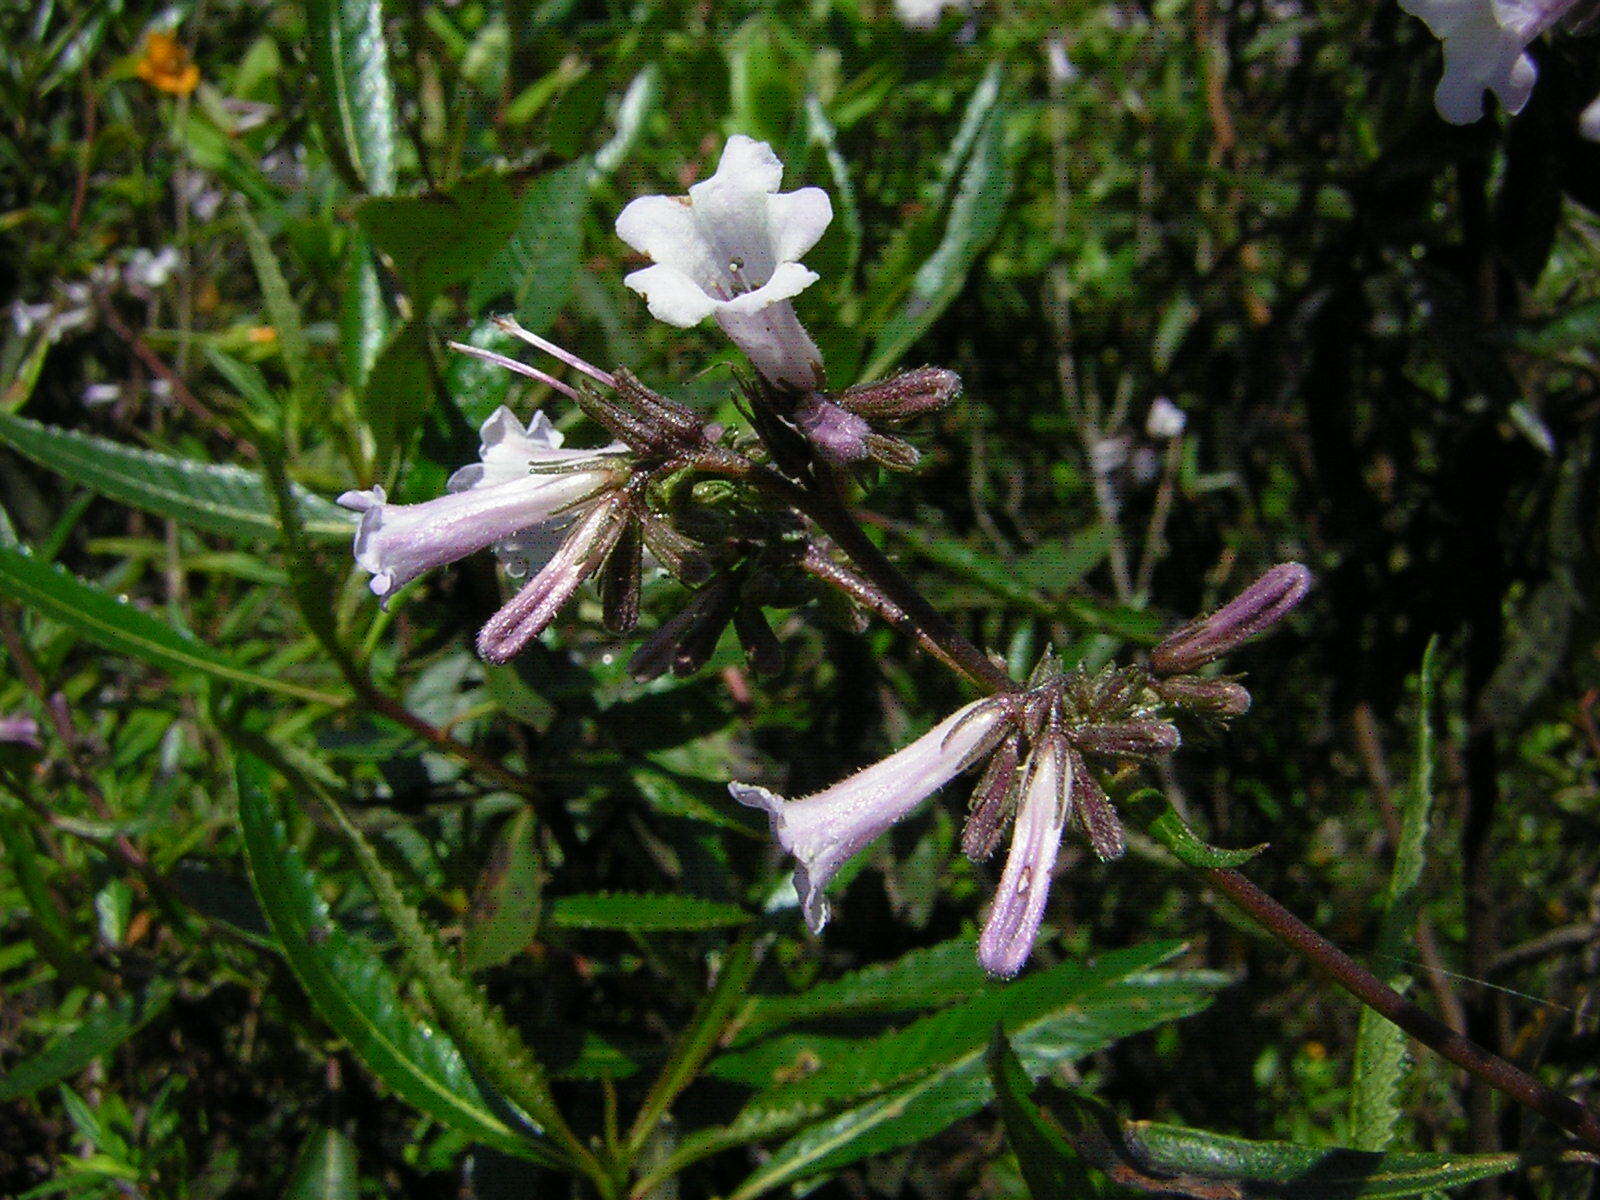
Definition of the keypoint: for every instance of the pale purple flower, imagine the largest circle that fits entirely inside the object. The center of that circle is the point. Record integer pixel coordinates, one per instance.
(825, 830)
(20, 731)
(1485, 50)
(730, 249)
(1019, 901)
(525, 490)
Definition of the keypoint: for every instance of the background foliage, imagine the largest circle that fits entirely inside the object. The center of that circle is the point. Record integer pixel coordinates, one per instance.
(230, 305)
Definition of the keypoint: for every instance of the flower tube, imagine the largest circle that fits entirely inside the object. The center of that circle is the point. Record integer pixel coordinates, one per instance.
(522, 493)
(825, 830)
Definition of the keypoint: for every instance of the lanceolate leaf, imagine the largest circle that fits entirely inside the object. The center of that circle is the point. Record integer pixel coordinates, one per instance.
(352, 988)
(925, 978)
(907, 1085)
(1162, 822)
(99, 1033)
(443, 238)
(642, 913)
(976, 210)
(1051, 1164)
(351, 59)
(325, 1170)
(537, 267)
(1070, 1144)
(124, 629)
(1290, 1172)
(226, 500)
(1380, 1058)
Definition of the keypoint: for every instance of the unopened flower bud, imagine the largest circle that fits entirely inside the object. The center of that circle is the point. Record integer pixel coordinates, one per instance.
(1100, 822)
(1207, 697)
(525, 616)
(907, 395)
(761, 647)
(839, 436)
(1249, 614)
(993, 801)
(1126, 737)
(892, 452)
(686, 641)
(620, 583)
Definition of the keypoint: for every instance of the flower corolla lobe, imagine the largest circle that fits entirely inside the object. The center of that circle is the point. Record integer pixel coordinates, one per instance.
(730, 249)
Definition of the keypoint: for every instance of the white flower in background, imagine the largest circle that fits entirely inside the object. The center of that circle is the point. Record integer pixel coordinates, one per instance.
(925, 14)
(730, 249)
(824, 831)
(1485, 50)
(518, 499)
(1165, 420)
(150, 269)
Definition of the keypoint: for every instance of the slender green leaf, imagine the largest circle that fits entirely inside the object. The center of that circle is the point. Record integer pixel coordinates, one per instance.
(124, 629)
(537, 267)
(925, 978)
(975, 214)
(1380, 1058)
(363, 320)
(1161, 821)
(101, 1031)
(642, 913)
(1290, 1172)
(494, 1048)
(351, 987)
(1051, 1165)
(352, 65)
(920, 1079)
(282, 310)
(1070, 1144)
(221, 499)
(325, 1170)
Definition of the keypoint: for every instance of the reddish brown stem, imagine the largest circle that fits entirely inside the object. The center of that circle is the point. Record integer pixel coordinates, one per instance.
(1361, 983)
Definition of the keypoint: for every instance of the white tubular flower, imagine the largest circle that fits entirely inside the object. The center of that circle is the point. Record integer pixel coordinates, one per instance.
(1485, 50)
(514, 500)
(1013, 923)
(730, 249)
(925, 14)
(826, 830)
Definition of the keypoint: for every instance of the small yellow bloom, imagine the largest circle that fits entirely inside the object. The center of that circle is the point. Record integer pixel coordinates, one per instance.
(262, 335)
(165, 64)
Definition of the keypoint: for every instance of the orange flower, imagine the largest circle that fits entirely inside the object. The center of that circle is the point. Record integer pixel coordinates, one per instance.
(165, 64)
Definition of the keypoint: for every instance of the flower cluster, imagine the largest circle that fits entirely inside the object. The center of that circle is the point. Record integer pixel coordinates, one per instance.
(1037, 747)
(730, 527)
